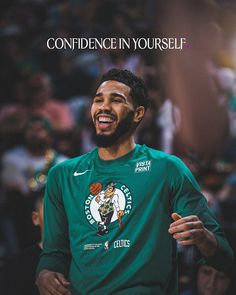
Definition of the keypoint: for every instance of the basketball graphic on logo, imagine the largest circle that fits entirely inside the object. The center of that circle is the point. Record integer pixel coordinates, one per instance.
(95, 188)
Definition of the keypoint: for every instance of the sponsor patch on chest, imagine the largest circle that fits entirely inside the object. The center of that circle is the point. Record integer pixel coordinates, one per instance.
(143, 166)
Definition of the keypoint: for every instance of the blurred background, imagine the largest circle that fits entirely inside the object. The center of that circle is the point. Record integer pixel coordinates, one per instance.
(45, 98)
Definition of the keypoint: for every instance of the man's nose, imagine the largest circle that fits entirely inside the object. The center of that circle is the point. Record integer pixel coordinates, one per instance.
(106, 105)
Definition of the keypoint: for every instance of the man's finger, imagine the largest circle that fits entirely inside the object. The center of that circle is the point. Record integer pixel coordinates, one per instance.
(57, 288)
(175, 216)
(184, 220)
(62, 279)
(52, 283)
(60, 290)
(182, 235)
(186, 227)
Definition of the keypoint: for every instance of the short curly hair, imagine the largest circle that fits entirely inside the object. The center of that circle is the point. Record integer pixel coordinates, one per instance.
(138, 90)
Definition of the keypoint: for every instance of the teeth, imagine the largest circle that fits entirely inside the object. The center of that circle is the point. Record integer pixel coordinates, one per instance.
(105, 120)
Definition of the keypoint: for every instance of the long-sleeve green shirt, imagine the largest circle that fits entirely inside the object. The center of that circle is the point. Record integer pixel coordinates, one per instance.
(106, 222)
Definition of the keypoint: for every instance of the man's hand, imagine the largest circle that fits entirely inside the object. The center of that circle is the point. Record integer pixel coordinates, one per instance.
(50, 282)
(191, 231)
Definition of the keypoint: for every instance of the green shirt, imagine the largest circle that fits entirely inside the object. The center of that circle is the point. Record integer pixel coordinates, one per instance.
(132, 254)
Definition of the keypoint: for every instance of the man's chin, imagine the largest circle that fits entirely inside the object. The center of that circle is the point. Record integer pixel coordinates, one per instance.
(105, 140)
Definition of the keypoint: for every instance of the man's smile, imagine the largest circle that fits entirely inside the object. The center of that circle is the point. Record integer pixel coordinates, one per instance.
(104, 121)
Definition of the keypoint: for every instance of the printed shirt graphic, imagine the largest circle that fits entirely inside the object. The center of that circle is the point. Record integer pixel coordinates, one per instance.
(105, 206)
(107, 229)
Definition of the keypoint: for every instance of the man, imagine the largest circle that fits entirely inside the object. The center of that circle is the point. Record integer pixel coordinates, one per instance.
(153, 189)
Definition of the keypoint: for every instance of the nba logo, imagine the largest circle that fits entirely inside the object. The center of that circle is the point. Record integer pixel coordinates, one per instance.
(106, 245)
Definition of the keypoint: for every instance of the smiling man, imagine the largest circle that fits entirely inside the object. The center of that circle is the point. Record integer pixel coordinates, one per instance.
(112, 216)
(114, 114)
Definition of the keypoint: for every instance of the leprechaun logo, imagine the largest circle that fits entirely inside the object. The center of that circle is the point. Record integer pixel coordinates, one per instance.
(107, 205)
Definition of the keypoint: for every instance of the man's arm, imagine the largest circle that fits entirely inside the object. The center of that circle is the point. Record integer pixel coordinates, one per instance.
(55, 260)
(194, 222)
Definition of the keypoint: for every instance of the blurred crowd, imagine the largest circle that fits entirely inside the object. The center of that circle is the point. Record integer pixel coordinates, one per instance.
(46, 96)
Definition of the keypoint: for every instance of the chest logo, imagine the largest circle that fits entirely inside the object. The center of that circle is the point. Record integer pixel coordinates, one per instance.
(143, 166)
(81, 173)
(107, 205)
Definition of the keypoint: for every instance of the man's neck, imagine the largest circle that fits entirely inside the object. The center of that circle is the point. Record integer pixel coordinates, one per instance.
(117, 150)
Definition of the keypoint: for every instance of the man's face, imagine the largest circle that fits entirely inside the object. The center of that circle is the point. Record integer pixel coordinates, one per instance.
(112, 112)
(211, 281)
(37, 136)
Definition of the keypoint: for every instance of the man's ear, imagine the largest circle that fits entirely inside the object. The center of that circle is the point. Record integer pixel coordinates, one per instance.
(35, 218)
(139, 113)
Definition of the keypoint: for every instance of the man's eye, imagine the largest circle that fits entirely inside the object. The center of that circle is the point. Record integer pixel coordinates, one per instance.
(97, 100)
(117, 100)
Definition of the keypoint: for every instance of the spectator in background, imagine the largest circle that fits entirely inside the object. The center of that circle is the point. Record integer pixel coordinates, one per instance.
(169, 121)
(33, 96)
(226, 83)
(42, 103)
(19, 270)
(24, 169)
(29, 163)
(210, 281)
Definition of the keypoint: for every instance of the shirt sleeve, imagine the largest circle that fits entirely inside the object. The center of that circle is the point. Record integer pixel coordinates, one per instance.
(56, 249)
(187, 199)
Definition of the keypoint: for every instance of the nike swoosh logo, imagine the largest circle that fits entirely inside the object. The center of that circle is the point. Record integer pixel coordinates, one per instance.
(81, 173)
